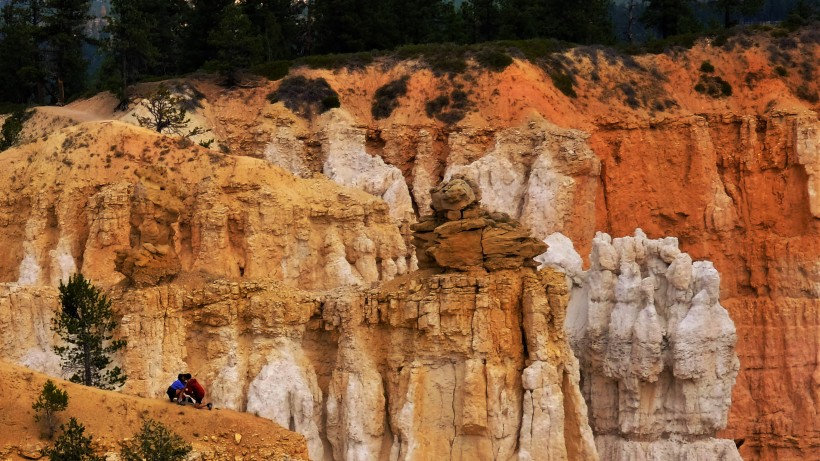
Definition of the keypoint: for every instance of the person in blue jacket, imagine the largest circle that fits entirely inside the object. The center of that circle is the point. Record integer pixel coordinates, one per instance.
(175, 389)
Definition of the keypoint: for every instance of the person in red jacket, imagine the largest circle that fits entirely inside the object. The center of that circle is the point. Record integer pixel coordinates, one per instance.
(196, 391)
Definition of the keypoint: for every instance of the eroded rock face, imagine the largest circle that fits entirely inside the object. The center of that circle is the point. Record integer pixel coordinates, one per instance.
(657, 351)
(135, 216)
(430, 367)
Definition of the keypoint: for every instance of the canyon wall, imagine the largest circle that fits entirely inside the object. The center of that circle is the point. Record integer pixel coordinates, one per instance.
(184, 233)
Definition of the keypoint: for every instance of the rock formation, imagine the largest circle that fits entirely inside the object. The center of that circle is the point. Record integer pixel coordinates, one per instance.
(461, 235)
(656, 350)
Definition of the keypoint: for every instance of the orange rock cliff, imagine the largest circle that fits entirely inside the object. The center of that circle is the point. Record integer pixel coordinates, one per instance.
(288, 255)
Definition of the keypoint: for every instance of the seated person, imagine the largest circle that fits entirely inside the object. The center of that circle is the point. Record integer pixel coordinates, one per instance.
(175, 389)
(196, 391)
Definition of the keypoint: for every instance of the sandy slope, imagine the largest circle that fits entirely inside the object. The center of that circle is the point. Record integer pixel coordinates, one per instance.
(110, 417)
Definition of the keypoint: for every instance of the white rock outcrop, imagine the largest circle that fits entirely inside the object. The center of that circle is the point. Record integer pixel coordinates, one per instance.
(657, 351)
(348, 163)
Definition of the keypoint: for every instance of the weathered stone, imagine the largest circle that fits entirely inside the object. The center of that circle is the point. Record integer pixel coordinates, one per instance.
(453, 195)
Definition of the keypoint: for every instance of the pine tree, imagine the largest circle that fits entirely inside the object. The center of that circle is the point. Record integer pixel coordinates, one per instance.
(732, 9)
(22, 75)
(129, 46)
(144, 39)
(64, 25)
(72, 444)
(669, 17)
(277, 24)
(85, 323)
(48, 403)
(235, 43)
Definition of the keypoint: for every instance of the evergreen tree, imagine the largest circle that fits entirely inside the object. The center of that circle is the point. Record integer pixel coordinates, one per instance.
(64, 25)
(669, 17)
(144, 39)
(85, 323)
(731, 10)
(129, 47)
(48, 403)
(22, 75)
(202, 17)
(235, 43)
(482, 19)
(277, 24)
(72, 444)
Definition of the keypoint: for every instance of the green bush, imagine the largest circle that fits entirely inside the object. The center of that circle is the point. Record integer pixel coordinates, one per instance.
(272, 70)
(72, 445)
(154, 442)
(713, 86)
(492, 59)
(337, 61)
(304, 96)
(385, 101)
(48, 403)
(803, 92)
(449, 109)
(564, 82)
(781, 71)
(12, 128)
(707, 67)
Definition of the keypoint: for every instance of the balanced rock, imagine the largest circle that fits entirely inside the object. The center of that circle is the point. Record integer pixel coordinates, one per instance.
(461, 235)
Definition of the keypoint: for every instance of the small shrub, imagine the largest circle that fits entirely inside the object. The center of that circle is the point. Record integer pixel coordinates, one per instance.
(12, 128)
(494, 60)
(330, 102)
(713, 86)
(449, 109)
(564, 83)
(631, 95)
(337, 61)
(72, 445)
(781, 71)
(272, 70)
(206, 144)
(436, 105)
(385, 100)
(48, 403)
(304, 96)
(154, 442)
(707, 67)
(441, 58)
(803, 92)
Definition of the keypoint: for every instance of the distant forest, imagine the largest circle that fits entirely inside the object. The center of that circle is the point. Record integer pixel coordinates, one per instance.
(52, 51)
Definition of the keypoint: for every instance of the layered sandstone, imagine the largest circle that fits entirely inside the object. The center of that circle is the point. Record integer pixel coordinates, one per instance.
(461, 235)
